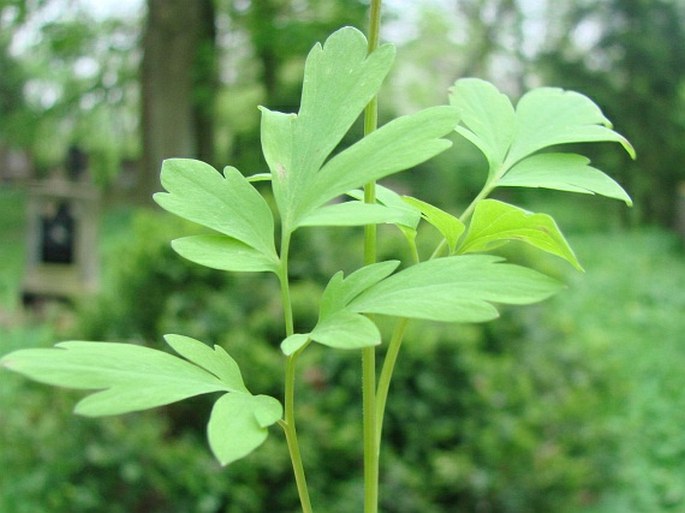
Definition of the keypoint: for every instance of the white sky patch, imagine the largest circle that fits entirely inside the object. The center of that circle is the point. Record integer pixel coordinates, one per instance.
(103, 9)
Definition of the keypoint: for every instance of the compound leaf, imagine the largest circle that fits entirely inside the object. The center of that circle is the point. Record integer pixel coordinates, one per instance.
(238, 424)
(511, 139)
(217, 360)
(226, 203)
(224, 253)
(454, 289)
(338, 326)
(130, 377)
(563, 172)
(495, 222)
(340, 78)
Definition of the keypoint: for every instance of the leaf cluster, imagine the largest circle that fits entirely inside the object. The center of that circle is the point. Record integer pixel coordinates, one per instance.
(311, 184)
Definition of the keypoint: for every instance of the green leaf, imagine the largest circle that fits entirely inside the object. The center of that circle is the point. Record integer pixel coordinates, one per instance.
(396, 146)
(346, 330)
(224, 253)
(130, 377)
(339, 80)
(238, 424)
(549, 116)
(294, 343)
(352, 213)
(267, 410)
(487, 117)
(340, 291)
(216, 361)
(495, 222)
(449, 226)
(228, 204)
(455, 289)
(563, 172)
(544, 117)
(409, 216)
(337, 326)
(277, 138)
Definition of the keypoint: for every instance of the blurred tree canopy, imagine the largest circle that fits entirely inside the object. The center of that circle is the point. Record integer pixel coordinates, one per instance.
(628, 55)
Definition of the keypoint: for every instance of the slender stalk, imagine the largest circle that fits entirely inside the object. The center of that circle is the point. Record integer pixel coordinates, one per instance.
(288, 422)
(400, 329)
(389, 365)
(386, 375)
(285, 285)
(288, 426)
(371, 450)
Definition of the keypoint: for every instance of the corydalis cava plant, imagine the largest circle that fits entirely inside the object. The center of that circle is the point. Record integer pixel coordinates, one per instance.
(456, 283)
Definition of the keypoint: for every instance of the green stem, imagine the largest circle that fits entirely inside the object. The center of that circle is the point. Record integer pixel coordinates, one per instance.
(288, 426)
(288, 422)
(285, 285)
(371, 449)
(386, 375)
(487, 189)
(389, 365)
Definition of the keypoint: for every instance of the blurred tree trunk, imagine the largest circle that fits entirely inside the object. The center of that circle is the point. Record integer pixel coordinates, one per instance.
(178, 83)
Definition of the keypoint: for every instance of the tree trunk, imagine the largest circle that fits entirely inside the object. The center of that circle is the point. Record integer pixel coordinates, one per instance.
(178, 83)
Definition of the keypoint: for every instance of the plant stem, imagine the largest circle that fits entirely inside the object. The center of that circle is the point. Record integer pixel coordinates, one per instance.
(285, 286)
(288, 422)
(371, 449)
(291, 434)
(386, 375)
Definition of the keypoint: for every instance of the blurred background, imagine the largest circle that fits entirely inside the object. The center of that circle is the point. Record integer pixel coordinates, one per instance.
(576, 405)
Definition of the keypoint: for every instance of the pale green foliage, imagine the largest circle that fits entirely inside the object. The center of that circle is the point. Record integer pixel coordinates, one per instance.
(130, 377)
(455, 289)
(216, 361)
(340, 79)
(223, 253)
(228, 204)
(238, 424)
(563, 172)
(449, 226)
(494, 223)
(544, 117)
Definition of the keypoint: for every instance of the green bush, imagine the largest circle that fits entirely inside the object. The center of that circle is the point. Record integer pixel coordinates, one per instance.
(562, 407)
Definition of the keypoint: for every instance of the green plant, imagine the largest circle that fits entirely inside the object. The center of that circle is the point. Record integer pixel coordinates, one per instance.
(456, 283)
